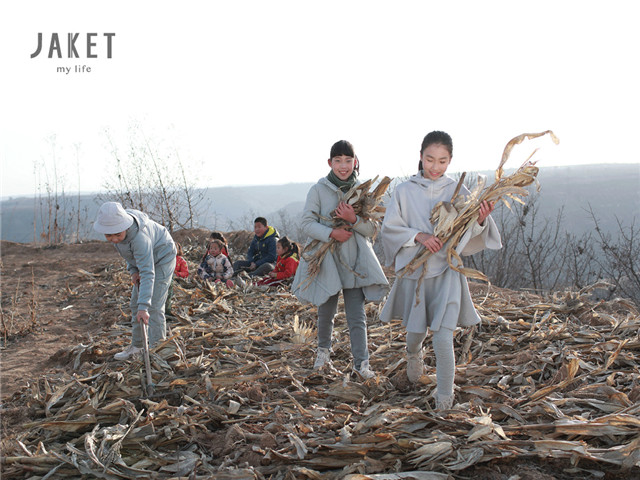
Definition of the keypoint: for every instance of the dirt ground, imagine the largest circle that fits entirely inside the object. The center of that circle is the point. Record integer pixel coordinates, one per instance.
(46, 306)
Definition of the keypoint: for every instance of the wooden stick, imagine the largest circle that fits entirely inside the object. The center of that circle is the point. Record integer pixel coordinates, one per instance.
(147, 360)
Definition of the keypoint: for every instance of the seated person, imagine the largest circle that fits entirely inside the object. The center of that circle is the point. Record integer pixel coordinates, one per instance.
(225, 244)
(261, 257)
(216, 266)
(286, 265)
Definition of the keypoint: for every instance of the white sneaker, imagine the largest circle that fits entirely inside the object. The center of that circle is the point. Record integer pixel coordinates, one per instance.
(127, 352)
(322, 358)
(415, 366)
(365, 370)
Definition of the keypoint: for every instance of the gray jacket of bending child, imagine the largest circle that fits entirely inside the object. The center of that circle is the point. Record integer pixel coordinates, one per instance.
(146, 245)
(337, 269)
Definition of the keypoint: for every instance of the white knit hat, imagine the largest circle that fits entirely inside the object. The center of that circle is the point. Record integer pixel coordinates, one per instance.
(112, 218)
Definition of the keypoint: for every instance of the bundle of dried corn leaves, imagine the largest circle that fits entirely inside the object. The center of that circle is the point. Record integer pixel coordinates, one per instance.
(367, 206)
(453, 219)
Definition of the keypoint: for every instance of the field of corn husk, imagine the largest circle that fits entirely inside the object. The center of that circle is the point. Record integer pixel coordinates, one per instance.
(546, 388)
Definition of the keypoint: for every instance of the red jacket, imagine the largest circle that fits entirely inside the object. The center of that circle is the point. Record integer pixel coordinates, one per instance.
(286, 267)
(182, 270)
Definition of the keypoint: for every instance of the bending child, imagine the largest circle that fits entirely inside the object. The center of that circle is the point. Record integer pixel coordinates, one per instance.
(443, 301)
(150, 253)
(352, 267)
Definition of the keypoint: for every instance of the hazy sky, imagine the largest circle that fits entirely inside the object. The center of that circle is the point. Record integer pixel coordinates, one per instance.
(256, 92)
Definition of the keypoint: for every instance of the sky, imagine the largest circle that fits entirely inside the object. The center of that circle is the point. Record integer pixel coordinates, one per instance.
(256, 92)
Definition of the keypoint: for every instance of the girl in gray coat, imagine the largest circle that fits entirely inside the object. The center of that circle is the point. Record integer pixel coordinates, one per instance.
(150, 254)
(353, 268)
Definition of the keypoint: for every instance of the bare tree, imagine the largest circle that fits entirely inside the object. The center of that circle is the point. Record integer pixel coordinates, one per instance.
(77, 149)
(289, 226)
(534, 252)
(581, 269)
(245, 222)
(149, 179)
(619, 258)
(56, 218)
(49, 179)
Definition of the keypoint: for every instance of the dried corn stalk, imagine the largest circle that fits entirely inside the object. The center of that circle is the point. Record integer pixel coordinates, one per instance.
(366, 204)
(554, 377)
(302, 333)
(453, 219)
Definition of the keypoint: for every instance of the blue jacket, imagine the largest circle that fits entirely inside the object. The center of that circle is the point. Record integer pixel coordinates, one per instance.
(263, 249)
(146, 245)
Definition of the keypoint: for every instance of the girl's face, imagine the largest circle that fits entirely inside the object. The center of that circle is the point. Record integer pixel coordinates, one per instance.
(435, 161)
(342, 166)
(214, 250)
(279, 249)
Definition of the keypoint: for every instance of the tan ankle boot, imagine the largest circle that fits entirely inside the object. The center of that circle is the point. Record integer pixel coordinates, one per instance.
(444, 402)
(415, 366)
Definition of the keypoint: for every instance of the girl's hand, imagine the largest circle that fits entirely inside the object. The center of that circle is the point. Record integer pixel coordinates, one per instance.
(135, 278)
(430, 242)
(346, 212)
(273, 274)
(485, 210)
(340, 234)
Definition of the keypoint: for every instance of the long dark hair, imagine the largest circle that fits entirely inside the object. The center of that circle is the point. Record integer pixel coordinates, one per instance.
(290, 247)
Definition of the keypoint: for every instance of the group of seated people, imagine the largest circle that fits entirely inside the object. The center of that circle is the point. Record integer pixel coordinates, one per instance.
(271, 260)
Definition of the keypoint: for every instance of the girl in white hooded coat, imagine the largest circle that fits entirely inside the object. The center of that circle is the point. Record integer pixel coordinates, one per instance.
(443, 301)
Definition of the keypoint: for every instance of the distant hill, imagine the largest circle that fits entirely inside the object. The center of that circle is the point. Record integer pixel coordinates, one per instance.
(222, 208)
(611, 190)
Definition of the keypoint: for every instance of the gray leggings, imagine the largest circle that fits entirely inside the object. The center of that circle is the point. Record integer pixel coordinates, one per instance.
(445, 359)
(157, 321)
(356, 321)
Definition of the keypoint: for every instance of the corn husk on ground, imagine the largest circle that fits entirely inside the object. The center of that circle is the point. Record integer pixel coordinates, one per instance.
(544, 381)
(366, 204)
(453, 219)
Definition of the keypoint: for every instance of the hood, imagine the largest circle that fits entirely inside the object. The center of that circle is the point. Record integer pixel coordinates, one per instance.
(437, 185)
(141, 221)
(271, 231)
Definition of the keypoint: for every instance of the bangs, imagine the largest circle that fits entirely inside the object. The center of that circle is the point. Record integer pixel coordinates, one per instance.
(342, 147)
